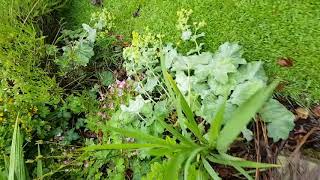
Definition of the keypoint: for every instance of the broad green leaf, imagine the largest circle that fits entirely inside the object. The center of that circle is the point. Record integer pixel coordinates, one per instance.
(231, 51)
(242, 116)
(92, 33)
(135, 106)
(210, 170)
(106, 78)
(83, 53)
(221, 68)
(280, 120)
(151, 83)
(251, 71)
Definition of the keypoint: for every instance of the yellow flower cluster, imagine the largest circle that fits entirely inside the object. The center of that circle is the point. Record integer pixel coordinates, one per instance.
(183, 18)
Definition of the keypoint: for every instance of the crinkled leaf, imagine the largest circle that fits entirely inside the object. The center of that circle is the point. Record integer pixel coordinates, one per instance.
(151, 84)
(221, 68)
(232, 52)
(92, 33)
(83, 53)
(252, 70)
(280, 120)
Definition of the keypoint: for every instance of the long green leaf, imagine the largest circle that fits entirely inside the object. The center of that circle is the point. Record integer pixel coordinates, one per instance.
(17, 167)
(121, 146)
(216, 124)
(39, 164)
(174, 166)
(244, 163)
(191, 123)
(176, 134)
(243, 172)
(192, 155)
(210, 170)
(137, 134)
(242, 116)
(161, 151)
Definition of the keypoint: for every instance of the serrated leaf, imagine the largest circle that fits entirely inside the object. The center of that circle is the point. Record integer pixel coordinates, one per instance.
(280, 120)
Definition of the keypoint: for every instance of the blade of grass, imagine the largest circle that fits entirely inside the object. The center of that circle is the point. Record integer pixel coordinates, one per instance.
(216, 124)
(210, 170)
(191, 123)
(242, 116)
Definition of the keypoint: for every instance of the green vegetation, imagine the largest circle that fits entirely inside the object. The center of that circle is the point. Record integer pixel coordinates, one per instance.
(268, 30)
(79, 100)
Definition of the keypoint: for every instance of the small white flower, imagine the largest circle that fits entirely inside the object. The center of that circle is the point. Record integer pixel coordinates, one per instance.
(186, 35)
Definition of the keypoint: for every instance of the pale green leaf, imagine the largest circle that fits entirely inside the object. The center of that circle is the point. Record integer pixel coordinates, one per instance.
(280, 120)
(230, 51)
(135, 106)
(91, 33)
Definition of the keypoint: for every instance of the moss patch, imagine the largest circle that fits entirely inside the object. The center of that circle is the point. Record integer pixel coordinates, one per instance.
(268, 30)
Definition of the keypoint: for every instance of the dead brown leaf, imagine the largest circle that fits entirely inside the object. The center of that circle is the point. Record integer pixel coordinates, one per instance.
(316, 111)
(302, 113)
(285, 62)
